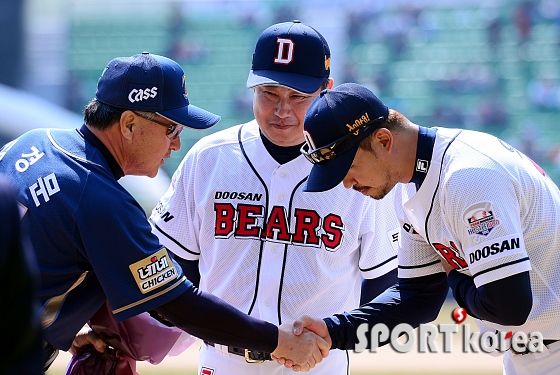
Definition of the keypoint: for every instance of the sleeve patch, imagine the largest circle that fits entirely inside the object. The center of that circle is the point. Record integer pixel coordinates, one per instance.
(494, 249)
(480, 219)
(154, 271)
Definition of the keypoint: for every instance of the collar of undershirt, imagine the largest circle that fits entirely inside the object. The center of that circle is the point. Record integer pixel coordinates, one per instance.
(281, 154)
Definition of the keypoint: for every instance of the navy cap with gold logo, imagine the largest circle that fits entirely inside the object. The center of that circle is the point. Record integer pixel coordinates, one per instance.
(291, 54)
(335, 124)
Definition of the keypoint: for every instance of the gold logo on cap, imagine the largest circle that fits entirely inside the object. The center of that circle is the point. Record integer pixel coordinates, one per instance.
(357, 123)
(327, 63)
(184, 83)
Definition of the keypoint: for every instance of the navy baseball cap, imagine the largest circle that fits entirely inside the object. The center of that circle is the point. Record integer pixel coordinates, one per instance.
(291, 54)
(335, 124)
(151, 83)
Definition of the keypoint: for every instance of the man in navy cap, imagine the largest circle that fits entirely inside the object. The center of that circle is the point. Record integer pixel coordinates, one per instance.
(474, 212)
(91, 238)
(237, 214)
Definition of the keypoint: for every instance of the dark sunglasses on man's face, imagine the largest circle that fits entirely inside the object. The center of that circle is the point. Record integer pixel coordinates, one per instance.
(173, 130)
(335, 148)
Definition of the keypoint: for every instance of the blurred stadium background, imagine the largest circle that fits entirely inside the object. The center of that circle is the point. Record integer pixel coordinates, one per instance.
(491, 65)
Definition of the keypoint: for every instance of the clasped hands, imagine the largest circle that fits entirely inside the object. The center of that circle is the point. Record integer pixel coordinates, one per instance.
(302, 344)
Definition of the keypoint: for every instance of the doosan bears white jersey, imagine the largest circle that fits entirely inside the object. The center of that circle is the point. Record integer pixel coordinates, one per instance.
(264, 245)
(491, 212)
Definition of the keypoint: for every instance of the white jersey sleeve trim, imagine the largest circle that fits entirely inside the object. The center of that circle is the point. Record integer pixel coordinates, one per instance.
(380, 269)
(502, 271)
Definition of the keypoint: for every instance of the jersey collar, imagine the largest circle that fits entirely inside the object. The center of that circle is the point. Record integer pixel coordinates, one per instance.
(91, 138)
(426, 140)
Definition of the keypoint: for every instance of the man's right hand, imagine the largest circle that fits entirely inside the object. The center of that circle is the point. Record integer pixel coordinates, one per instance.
(306, 325)
(303, 350)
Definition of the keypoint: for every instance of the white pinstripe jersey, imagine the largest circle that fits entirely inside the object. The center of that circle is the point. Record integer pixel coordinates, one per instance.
(492, 212)
(310, 255)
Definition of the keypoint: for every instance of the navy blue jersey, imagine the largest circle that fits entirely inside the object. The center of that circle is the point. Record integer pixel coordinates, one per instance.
(91, 237)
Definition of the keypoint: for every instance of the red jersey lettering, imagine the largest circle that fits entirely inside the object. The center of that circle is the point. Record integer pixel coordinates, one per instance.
(451, 255)
(307, 223)
(334, 228)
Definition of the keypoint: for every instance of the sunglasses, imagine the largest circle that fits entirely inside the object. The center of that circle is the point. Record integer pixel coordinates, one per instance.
(173, 130)
(335, 148)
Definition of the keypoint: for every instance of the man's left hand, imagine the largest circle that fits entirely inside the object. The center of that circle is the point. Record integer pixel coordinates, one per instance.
(87, 336)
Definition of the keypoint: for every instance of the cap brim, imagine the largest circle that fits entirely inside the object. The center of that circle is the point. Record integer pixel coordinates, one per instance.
(299, 82)
(192, 116)
(325, 176)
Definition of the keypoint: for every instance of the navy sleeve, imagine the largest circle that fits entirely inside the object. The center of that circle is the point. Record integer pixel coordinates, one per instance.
(190, 270)
(371, 288)
(209, 318)
(506, 301)
(412, 301)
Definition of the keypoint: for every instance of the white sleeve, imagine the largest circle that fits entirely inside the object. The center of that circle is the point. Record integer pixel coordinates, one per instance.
(416, 257)
(486, 219)
(174, 220)
(379, 238)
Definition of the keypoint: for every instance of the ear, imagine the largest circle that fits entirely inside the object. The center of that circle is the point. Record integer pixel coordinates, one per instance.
(384, 139)
(330, 84)
(128, 124)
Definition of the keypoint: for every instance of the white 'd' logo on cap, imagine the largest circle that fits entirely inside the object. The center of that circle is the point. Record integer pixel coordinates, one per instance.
(285, 51)
(309, 140)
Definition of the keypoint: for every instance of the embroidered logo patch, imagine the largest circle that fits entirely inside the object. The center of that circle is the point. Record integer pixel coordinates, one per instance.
(480, 219)
(154, 271)
(422, 165)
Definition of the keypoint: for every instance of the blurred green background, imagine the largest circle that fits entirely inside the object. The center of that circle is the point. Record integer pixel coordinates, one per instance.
(490, 65)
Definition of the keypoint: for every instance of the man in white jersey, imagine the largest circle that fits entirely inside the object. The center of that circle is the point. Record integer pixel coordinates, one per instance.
(237, 214)
(466, 201)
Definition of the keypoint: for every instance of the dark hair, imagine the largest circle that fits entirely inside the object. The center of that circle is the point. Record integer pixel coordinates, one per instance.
(325, 84)
(101, 116)
(395, 122)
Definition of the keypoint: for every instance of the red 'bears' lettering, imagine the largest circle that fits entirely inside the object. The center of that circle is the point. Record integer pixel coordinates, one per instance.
(277, 228)
(245, 221)
(333, 228)
(225, 216)
(307, 223)
(451, 255)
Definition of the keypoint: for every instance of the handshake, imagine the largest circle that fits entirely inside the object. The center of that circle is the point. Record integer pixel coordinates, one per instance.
(302, 344)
